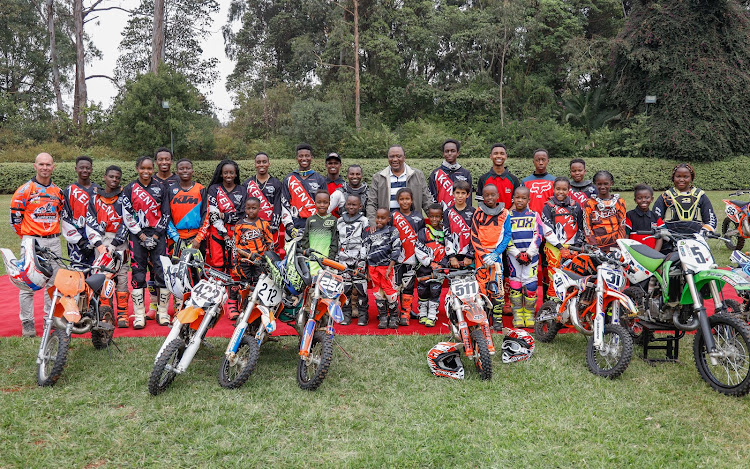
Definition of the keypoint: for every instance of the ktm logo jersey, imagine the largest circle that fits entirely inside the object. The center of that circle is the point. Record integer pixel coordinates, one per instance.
(35, 209)
(188, 210)
(253, 236)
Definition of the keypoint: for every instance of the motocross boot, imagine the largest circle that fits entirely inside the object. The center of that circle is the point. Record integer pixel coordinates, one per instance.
(423, 311)
(406, 309)
(177, 304)
(139, 309)
(363, 308)
(153, 296)
(162, 314)
(382, 314)
(516, 301)
(529, 309)
(122, 309)
(393, 315)
(432, 312)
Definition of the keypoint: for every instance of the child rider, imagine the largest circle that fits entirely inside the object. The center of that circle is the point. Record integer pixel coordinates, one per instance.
(383, 250)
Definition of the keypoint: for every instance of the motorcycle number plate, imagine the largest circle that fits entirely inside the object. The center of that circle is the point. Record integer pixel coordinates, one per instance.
(205, 294)
(465, 289)
(614, 278)
(330, 285)
(268, 293)
(694, 255)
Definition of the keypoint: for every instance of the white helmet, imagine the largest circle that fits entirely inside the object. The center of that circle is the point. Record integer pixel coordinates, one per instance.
(517, 345)
(182, 277)
(444, 360)
(32, 271)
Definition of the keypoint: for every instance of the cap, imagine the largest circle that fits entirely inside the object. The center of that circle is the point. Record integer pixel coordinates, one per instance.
(333, 156)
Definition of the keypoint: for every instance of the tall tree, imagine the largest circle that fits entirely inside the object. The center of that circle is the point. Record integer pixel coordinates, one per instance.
(158, 39)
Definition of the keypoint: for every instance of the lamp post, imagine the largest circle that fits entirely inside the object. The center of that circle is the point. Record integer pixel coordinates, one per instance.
(165, 105)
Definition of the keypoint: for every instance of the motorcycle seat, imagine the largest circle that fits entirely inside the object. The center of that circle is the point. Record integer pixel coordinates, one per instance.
(572, 275)
(739, 203)
(651, 253)
(96, 282)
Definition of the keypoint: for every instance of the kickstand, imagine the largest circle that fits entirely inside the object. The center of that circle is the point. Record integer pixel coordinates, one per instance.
(109, 351)
(342, 349)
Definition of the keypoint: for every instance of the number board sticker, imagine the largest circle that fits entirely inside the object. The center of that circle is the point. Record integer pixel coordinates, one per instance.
(330, 285)
(694, 254)
(206, 293)
(613, 278)
(268, 293)
(465, 288)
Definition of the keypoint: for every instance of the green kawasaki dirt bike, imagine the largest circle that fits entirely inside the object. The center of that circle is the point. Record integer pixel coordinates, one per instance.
(669, 291)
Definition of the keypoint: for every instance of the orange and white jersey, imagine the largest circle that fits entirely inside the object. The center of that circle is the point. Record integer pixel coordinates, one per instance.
(35, 209)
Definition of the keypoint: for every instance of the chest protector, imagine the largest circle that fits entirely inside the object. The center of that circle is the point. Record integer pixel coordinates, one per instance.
(682, 206)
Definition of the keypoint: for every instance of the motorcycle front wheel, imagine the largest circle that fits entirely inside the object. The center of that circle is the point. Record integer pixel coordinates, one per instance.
(311, 371)
(54, 357)
(482, 358)
(102, 338)
(546, 330)
(737, 239)
(163, 375)
(731, 375)
(234, 373)
(614, 357)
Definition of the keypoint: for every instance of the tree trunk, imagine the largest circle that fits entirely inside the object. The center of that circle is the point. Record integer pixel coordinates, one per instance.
(502, 74)
(53, 54)
(157, 40)
(357, 123)
(80, 99)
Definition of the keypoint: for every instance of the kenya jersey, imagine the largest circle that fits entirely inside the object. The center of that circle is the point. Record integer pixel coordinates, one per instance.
(35, 209)
(230, 203)
(442, 180)
(457, 230)
(506, 183)
(565, 219)
(145, 207)
(106, 209)
(541, 188)
(75, 216)
(582, 191)
(298, 197)
(269, 194)
(408, 227)
(188, 212)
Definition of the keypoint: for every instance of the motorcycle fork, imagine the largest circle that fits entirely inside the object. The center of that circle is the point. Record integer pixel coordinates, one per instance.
(307, 335)
(700, 310)
(195, 341)
(47, 328)
(599, 318)
(239, 331)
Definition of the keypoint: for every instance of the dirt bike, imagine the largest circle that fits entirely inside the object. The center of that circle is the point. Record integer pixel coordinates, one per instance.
(201, 311)
(467, 310)
(672, 298)
(736, 226)
(80, 304)
(592, 304)
(743, 268)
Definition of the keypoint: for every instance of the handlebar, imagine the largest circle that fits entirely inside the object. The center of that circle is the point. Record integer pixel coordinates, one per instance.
(740, 192)
(442, 274)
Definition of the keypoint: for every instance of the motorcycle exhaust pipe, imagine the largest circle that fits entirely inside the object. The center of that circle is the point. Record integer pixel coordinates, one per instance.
(576, 321)
(88, 323)
(690, 326)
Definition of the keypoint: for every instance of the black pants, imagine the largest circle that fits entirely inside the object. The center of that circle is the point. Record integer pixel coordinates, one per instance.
(360, 285)
(140, 258)
(428, 290)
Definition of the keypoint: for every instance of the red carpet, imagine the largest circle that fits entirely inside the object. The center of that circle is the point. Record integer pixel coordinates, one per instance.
(10, 324)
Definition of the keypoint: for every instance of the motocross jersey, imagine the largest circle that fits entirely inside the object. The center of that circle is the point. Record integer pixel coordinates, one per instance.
(168, 181)
(490, 231)
(441, 181)
(565, 219)
(433, 242)
(76, 219)
(338, 198)
(35, 209)
(298, 197)
(604, 221)
(408, 227)
(188, 211)
(353, 232)
(582, 191)
(253, 236)
(145, 208)
(640, 225)
(269, 194)
(230, 203)
(457, 230)
(106, 209)
(332, 185)
(526, 233)
(321, 235)
(684, 211)
(506, 183)
(383, 246)
(541, 190)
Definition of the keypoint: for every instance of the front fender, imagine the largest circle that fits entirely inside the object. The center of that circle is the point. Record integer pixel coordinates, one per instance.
(624, 300)
(190, 314)
(721, 277)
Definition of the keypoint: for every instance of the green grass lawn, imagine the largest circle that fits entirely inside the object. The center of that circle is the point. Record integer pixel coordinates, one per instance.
(381, 408)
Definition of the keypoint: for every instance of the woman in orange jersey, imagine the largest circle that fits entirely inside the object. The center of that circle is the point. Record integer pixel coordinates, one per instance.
(604, 214)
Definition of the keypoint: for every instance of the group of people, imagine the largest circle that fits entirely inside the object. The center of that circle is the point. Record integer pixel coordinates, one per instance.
(400, 227)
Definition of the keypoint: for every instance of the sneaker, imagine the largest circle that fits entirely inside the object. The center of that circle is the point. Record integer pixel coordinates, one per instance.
(429, 322)
(393, 323)
(383, 324)
(28, 329)
(151, 313)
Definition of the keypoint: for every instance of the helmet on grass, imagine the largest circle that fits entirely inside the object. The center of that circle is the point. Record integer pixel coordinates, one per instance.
(32, 270)
(444, 360)
(518, 345)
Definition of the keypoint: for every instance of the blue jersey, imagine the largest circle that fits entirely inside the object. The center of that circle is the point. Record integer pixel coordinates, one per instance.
(526, 233)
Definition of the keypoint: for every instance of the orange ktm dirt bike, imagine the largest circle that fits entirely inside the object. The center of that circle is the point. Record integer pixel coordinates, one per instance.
(467, 310)
(736, 226)
(79, 305)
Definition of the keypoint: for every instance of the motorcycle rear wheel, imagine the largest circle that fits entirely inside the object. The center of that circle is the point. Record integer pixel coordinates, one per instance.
(482, 352)
(546, 331)
(312, 372)
(737, 239)
(161, 377)
(631, 324)
(102, 338)
(232, 376)
(55, 357)
(616, 338)
(731, 376)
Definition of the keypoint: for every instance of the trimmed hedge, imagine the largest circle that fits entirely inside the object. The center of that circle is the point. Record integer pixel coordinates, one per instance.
(723, 175)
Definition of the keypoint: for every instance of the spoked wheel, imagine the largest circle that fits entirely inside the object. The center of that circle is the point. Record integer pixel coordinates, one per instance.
(737, 239)
(163, 373)
(101, 338)
(55, 354)
(615, 355)
(312, 370)
(546, 330)
(735, 309)
(482, 358)
(233, 373)
(731, 373)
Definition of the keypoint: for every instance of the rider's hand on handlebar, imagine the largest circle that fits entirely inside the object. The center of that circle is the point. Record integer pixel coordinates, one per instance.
(454, 262)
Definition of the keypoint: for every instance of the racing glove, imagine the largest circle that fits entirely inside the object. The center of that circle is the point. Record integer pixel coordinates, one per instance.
(523, 258)
(149, 243)
(490, 258)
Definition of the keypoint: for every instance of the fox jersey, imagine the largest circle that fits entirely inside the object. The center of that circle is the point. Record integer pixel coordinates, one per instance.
(35, 209)
(526, 233)
(353, 232)
(457, 231)
(565, 219)
(490, 231)
(582, 191)
(408, 227)
(188, 212)
(145, 207)
(106, 209)
(167, 181)
(604, 221)
(338, 198)
(230, 203)
(506, 183)
(686, 212)
(383, 246)
(269, 194)
(298, 197)
(541, 190)
(441, 183)
(253, 236)
(431, 246)
(640, 225)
